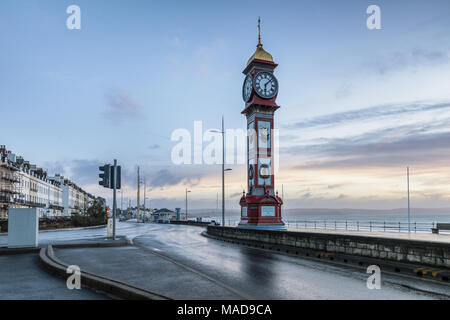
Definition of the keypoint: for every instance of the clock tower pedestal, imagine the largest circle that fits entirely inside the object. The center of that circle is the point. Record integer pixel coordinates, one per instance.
(261, 205)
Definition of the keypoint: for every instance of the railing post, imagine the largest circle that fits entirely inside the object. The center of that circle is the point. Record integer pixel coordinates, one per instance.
(399, 227)
(415, 226)
(384, 226)
(357, 225)
(325, 221)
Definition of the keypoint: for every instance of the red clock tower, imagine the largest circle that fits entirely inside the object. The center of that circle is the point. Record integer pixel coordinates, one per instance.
(260, 206)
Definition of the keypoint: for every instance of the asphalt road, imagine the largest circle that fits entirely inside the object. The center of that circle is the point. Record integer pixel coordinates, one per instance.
(178, 261)
(261, 274)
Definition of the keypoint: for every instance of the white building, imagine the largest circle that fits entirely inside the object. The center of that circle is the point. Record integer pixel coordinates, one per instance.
(23, 185)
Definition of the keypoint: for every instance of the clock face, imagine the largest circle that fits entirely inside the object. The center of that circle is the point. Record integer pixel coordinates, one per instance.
(247, 88)
(265, 84)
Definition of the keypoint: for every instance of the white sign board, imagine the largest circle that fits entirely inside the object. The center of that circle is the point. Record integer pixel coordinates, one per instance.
(267, 211)
(23, 227)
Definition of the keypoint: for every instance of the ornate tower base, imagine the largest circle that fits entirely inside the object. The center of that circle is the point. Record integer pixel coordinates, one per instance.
(261, 212)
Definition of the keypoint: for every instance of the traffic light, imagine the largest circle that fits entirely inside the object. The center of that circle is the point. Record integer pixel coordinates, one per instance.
(118, 177)
(105, 176)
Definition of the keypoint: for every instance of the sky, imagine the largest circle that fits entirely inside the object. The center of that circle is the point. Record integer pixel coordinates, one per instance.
(357, 106)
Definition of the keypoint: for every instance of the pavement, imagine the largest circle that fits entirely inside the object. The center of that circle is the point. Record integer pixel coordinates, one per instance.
(419, 236)
(22, 279)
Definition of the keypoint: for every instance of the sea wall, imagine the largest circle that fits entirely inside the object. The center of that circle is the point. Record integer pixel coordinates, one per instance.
(435, 254)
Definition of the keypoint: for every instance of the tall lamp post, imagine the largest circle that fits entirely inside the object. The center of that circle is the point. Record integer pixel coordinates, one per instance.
(187, 204)
(409, 209)
(223, 170)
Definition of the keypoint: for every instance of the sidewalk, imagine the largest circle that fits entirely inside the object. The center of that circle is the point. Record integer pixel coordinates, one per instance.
(428, 237)
(21, 278)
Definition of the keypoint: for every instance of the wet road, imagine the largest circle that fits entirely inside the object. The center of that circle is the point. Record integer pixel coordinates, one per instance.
(249, 273)
(260, 274)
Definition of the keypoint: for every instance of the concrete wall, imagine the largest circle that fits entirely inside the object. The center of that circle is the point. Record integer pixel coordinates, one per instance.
(408, 251)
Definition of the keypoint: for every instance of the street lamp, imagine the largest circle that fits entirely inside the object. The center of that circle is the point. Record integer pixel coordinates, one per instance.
(187, 204)
(223, 170)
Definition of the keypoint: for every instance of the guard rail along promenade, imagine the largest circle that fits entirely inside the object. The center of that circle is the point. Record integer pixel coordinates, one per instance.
(418, 252)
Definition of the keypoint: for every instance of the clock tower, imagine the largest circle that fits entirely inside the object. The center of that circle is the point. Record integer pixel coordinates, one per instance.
(261, 205)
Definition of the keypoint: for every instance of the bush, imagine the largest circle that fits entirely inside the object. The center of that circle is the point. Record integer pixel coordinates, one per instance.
(87, 221)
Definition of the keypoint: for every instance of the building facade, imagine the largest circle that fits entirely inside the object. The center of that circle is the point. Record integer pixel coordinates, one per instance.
(23, 185)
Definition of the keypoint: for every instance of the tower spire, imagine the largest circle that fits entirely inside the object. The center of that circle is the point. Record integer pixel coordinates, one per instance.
(259, 33)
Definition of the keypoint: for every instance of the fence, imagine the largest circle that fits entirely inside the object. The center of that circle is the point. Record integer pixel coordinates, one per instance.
(384, 226)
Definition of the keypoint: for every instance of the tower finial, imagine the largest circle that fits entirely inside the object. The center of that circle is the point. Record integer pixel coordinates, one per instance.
(259, 33)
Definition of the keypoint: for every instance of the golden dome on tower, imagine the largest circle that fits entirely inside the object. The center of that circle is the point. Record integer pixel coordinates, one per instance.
(260, 53)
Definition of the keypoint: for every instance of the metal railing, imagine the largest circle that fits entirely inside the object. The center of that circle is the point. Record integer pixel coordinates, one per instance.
(351, 225)
(384, 226)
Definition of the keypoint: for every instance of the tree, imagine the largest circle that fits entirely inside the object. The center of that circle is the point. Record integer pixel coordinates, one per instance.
(96, 210)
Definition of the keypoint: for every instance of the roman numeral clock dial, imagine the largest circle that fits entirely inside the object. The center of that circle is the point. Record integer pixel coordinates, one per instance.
(265, 84)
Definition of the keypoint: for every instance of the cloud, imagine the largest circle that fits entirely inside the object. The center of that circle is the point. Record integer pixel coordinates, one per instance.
(344, 91)
(85, 171)
(418, 57)
(164, 177)
(120, 105)
(365, 151)
(400, 139)
(370, 113)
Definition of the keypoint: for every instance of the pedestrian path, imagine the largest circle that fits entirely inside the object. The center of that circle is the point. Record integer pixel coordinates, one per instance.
(21, 278)
(427, 237)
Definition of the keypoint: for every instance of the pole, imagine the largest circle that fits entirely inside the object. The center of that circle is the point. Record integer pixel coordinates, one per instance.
(114, 199)
(145, 196)
(223, 175)
(138, 195)
(186, 205)
(409, 209)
